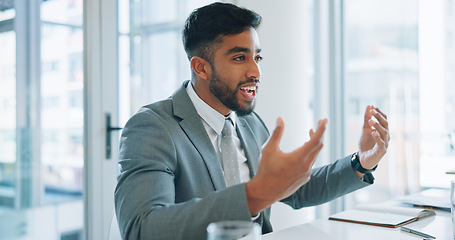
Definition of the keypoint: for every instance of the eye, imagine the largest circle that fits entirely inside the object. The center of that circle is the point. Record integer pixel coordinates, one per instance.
(239, 58)
(258, 58)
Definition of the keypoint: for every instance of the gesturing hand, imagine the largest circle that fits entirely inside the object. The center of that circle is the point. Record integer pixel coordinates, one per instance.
(375, 138)
(280, 174)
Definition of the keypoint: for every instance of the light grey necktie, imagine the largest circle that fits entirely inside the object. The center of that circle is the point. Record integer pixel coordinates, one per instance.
(229, 155)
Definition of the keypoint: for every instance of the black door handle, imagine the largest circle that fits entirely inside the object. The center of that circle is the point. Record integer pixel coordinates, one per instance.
(109, 129)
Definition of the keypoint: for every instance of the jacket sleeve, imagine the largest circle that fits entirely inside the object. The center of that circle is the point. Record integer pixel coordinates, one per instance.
(327, 183)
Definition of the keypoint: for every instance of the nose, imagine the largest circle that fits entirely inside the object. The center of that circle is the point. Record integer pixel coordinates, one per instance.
(254, 71)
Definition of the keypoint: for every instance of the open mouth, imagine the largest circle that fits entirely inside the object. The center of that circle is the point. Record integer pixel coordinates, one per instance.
(250, 90)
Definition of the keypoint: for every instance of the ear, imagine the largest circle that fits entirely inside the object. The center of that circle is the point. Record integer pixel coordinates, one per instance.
(201, 67)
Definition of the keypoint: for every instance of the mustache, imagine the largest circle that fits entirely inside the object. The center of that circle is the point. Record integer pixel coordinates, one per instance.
(252, 80)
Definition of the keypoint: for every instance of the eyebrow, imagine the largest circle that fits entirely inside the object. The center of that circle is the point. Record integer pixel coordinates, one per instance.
(241, 49)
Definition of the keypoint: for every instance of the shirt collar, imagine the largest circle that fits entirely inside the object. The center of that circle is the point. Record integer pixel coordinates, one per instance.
(211, 116)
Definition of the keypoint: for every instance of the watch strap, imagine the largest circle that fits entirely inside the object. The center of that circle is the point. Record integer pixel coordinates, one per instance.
(355, 163)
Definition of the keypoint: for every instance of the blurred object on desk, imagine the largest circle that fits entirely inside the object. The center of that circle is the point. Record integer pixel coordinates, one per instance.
(431, 198)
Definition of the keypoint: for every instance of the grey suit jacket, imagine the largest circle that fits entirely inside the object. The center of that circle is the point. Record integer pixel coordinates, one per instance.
(171, 184)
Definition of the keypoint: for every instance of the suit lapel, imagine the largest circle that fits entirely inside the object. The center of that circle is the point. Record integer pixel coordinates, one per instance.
(250, 145)
(192, 125)
(252, 152)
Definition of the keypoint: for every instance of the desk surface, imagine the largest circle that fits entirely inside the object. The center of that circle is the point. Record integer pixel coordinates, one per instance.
(439, 226)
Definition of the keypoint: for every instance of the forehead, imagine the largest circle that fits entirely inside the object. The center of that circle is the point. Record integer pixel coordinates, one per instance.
(247, 40)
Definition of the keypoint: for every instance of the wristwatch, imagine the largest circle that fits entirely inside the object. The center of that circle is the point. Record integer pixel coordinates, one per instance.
(355, 163)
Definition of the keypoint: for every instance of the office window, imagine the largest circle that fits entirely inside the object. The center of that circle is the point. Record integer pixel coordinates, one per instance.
(41, 124)
(8, 113)
(61, 91)
(399, 57)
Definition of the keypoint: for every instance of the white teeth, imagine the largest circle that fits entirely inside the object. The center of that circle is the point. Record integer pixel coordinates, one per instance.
(252, 88)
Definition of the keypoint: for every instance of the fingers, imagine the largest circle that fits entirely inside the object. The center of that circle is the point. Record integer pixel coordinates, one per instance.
(383, 114)
(381, 117)
(275, 139)
(377, 113)
(380, 131)
(319, 131)
(382, 125)
(315, 139)
(382, 145)
(367, 116)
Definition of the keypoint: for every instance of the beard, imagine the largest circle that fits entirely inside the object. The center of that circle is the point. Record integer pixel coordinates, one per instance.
(228, 96)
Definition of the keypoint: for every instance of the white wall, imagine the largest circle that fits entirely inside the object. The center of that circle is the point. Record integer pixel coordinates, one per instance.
(283, 36)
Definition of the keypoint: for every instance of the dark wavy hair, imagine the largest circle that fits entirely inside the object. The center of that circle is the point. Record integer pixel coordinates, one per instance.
(206, 26)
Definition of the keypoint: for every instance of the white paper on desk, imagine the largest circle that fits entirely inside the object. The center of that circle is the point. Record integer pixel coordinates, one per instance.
(359, 216)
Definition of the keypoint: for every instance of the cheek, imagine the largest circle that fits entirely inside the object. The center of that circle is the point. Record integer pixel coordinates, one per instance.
(231, 74)
(228, 75)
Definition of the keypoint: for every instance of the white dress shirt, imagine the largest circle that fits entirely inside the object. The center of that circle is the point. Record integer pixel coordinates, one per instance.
(213, 122)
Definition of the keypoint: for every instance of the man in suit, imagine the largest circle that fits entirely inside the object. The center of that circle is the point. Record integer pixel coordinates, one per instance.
(174, 180)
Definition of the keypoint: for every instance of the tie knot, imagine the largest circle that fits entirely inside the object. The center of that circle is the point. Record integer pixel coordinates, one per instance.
(227, 129)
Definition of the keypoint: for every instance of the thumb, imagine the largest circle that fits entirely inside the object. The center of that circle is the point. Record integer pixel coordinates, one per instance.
(275, 139)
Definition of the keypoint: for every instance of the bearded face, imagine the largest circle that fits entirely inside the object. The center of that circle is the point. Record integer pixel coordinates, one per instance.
(229, 96)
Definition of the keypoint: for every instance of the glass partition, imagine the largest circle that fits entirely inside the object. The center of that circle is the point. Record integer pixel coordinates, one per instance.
(41, 149)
